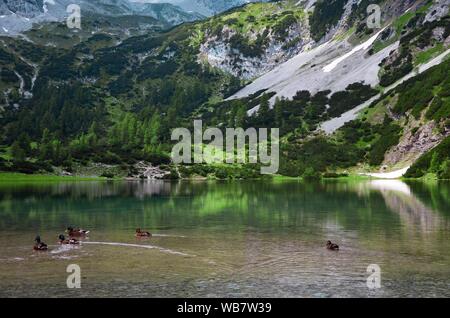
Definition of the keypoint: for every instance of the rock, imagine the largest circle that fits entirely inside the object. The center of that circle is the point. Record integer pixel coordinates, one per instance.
(439, 9)
(447, 41)
(218, 52)
(438, 34)
(143, 170)
(412, 146)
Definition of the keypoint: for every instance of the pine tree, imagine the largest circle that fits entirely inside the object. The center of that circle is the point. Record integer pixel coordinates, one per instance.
(57, 152)
(45, 146)
(264, 108)
(172, 117)
(131, 130)
(155, 128)
(241, 116)
(444, 172)
(25, 143)
(92, 134)
(435, 162)
(232, 117)
(278, 109)
(17, 152)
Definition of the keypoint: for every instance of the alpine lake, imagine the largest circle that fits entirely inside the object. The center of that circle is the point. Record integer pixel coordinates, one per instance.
(228, 239)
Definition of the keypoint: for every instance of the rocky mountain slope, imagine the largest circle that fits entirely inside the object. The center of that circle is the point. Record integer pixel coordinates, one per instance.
(250, 41)
(342, 60)
(410, 43)
(26, 8)
(205, 7)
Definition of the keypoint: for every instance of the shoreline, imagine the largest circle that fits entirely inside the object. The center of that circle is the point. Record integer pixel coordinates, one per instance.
(7, 177)
(11, 177)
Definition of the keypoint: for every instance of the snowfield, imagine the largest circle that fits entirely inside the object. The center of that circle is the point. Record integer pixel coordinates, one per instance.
(332, 65)
(366, 45)
(387, 175)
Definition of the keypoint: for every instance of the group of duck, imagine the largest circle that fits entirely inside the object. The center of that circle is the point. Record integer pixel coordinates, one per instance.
(80, 233)
(74, 234)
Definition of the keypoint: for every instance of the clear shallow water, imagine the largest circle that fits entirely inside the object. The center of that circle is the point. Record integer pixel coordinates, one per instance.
(237, 239)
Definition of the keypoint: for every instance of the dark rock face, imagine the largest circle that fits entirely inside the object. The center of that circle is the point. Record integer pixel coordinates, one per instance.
(25, 8)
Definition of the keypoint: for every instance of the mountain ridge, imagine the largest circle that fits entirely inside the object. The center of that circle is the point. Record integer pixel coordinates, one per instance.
(19, 15)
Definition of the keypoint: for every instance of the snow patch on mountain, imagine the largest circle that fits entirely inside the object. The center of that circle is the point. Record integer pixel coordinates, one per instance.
(358, 48)
(334, 124)
(306, 71)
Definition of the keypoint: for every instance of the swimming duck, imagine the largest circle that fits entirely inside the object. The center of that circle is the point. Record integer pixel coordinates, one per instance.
(332, 246)
(39, 246)
(140, 233)
(76, 232)
(63, 241)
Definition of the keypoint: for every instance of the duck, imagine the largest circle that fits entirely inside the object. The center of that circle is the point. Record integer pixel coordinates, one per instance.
(39, 246)
(140, 233)
(76, 232)
(71, 241)
(332, 246)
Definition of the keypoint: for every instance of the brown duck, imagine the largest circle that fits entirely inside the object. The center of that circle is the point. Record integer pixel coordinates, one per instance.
(332, 246)
(39, 246)
(76, 232)
(140, 233)
(70, 241)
